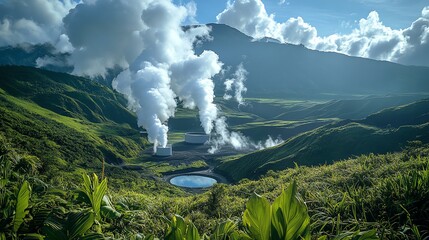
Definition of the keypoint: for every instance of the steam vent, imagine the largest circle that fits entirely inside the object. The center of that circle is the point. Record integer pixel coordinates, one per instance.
(164, 151)
(196, 137)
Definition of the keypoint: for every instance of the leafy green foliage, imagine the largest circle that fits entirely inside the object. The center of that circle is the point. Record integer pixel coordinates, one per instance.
(94, 191)
(286, 218)
(69, 126)
(290, 218)
(227, 231)
(340, 140)
(179, 229)
(21, 205)
(257, 217)
(74, 226)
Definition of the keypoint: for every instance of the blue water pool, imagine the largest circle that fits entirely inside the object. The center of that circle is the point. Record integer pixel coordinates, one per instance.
(193, 181)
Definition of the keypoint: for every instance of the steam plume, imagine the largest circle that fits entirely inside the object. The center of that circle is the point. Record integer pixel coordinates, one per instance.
(236, 83)
(167, 69)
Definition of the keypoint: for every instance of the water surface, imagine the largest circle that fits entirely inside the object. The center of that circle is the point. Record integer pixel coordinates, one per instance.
(193, 181)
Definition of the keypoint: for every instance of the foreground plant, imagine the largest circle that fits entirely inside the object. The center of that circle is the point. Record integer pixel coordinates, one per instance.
(287, 218)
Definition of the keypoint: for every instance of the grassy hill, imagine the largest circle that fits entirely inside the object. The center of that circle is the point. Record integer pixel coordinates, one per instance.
(357, 108)
(378, 133)
(69, 122)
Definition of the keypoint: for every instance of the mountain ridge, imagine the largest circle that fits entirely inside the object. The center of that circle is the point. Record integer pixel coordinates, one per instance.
(335, 141)
(274, 69)
(286, 70)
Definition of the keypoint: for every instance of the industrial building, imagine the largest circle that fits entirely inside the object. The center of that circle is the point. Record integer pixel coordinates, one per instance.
(164, 151)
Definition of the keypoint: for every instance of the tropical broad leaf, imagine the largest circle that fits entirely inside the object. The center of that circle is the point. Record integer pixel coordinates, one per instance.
(225, 231)
(108, 210)
(290, 219)
(21, 205)
(257, 218)
(192, 232)
(99, 190)
(79, 222)
(53, 229)
(179, 229)
(176, 229)
(95, 192)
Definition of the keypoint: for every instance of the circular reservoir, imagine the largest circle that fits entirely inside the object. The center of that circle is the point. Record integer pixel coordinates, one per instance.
(193, 181)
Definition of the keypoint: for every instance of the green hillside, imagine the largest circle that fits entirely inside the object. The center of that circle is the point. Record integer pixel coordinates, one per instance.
(337, 141)
(69, 122)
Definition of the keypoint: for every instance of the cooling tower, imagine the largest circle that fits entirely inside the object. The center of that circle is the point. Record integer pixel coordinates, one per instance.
(164, 151)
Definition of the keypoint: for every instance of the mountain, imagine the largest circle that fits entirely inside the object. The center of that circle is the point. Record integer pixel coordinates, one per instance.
(66, 120)
(385, 131)
(292, 71)
(275, 70)
(28, 55)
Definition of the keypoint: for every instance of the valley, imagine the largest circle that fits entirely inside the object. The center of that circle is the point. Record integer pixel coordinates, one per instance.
(338, 137)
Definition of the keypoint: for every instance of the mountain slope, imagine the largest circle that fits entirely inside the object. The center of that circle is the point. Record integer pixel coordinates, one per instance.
(66, 120)
(338, 141)
(275, 70)
(349, 108)
(285, 70)
(66, 94)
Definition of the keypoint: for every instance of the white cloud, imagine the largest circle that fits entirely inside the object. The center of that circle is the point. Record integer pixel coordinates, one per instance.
(250, 17)
(372, 39)
(32, 21)
(191, 8)
(105, 34)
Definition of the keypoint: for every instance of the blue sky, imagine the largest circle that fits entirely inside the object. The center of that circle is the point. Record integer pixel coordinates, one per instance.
(328, 16)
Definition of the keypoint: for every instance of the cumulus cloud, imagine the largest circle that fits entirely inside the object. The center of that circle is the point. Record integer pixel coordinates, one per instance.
(371, 40)
(32, 21)
(105, 34)
(250, 17)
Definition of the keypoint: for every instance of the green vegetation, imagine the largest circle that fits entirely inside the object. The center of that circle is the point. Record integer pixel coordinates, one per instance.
(378, 133)
(395, 186)
(56, 128)
(65, 139)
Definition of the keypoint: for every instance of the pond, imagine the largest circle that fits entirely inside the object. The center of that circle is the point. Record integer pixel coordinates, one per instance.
(193, 181)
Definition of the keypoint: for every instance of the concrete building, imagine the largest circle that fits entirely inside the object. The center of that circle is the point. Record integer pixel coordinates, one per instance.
(164, 151)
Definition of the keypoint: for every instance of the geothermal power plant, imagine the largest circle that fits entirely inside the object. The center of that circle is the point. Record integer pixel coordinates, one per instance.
(194, 138)
(164, 151)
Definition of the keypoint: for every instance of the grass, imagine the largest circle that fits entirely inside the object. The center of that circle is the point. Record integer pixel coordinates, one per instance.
(387, 193)
(59, 148)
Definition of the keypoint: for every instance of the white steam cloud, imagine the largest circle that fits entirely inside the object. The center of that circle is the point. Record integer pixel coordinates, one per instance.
(236, 139)
(32, 21)
(371, 40)
(237, 84)
(146, 39)
(168, 69)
